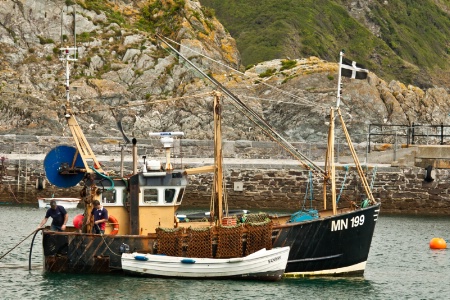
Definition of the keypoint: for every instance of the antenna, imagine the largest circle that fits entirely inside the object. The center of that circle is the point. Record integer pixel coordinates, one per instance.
(68, 53)
(167, 141)
(74, 28)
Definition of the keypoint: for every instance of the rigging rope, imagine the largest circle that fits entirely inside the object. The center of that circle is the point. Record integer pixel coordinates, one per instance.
(304, 99)
(251, 114)
(309, 188)
(374, 172)
(343, 184)
(145, 103)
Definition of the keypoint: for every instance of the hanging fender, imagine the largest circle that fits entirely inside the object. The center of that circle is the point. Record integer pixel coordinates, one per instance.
(113, 221)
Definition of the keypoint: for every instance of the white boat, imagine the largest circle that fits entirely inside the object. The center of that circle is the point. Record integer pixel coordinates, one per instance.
(260, 265)
(67, 203)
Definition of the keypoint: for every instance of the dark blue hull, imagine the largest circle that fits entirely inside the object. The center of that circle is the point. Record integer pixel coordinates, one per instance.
(336, 245)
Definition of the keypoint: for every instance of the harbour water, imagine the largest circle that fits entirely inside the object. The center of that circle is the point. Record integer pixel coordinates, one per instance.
(400, 266)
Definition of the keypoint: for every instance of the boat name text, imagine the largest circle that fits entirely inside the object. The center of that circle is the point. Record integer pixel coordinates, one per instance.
(343, 223)
(274, 259)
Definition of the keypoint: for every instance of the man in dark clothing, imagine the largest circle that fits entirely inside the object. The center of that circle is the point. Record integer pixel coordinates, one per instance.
(100, 215)
(59, 217)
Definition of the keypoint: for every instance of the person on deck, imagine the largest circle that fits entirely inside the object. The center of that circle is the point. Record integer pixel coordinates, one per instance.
(100, 215)
(59, 217)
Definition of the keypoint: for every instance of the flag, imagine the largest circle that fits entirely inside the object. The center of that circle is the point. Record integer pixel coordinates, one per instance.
(353, 70)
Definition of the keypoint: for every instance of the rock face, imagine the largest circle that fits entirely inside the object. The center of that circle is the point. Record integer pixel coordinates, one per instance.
(122, 67)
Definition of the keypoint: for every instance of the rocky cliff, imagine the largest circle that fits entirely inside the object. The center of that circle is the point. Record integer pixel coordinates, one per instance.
(123, 69)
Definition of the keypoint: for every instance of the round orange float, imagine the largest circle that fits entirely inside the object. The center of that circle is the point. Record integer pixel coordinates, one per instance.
(78, 221)
(438, 243)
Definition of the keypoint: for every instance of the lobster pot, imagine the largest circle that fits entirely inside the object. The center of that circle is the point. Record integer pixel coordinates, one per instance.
(229, 221)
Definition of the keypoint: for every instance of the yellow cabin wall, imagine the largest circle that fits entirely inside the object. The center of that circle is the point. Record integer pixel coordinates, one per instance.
(151, 217)
(122, 216)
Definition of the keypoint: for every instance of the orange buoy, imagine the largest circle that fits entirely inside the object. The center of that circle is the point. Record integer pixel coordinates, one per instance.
(113, 221)
(78, 221)
(438, 243)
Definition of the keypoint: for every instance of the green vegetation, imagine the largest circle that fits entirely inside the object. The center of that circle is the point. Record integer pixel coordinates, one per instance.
(100, 6)
(287, 64)
(86, 36)
(267, 73)
(161, 18)
(43, 40)
(413, 34)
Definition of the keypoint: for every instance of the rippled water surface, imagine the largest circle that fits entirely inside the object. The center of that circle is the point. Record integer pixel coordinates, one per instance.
(400, 266)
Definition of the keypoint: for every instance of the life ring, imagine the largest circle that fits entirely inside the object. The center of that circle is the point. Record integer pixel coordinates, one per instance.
(113, 221)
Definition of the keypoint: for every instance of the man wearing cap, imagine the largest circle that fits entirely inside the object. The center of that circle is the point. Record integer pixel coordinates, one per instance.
(59, 216)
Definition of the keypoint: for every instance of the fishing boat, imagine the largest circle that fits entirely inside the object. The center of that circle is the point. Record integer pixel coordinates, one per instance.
(332, 241)
(263, 264)
(67, 203)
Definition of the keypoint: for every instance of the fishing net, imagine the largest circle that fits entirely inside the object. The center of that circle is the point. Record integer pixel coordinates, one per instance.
(229, 241)
(169, 241)
(256, 218)
(259, 235)
(199, 241)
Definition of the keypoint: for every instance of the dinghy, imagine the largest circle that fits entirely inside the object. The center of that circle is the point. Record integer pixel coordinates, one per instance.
(261, 265)
(67, 203)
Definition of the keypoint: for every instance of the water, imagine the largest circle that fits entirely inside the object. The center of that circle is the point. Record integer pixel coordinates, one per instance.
(400, 266)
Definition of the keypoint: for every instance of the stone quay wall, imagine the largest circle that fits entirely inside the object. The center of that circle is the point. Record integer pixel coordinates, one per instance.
(272, 183)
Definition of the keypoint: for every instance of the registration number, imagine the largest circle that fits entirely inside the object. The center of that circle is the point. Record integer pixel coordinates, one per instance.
(342, 224)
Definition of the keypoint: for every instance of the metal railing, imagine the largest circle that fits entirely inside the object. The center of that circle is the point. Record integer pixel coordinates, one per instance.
(412, 134)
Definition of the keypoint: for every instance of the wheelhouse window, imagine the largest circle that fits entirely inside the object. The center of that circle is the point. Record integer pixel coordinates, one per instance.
(151, 196)
(109, 197)
(115, 197)
(169, 195)
(180, 196)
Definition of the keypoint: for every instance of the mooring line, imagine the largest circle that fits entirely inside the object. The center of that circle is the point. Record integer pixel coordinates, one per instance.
(31, 247)
(20, 243)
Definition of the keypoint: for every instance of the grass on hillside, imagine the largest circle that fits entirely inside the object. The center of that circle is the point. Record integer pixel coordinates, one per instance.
(412, 33)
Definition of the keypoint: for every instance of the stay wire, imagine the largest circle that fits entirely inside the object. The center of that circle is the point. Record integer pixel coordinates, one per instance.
(304, 100)
(254, 116)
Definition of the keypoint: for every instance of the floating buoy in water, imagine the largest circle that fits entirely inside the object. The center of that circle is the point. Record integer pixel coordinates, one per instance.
(78, 221)
(438, 243)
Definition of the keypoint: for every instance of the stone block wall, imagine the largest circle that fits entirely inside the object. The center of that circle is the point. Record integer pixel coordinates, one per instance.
(400, 189)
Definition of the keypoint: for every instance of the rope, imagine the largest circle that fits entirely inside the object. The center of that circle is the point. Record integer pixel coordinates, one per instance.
(343, 184)
(20, 242)
(249, 113)
(374, 172)
(309, 188)
(304, 99)
(104, 241)
(144, 103)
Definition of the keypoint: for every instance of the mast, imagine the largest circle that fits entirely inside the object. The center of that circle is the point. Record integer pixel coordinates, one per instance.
(70, 54)
(332, 163)
(349, 141)
(218, 173)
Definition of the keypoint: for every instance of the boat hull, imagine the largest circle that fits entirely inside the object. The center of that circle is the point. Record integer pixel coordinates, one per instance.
(262, 265)
(331, 246)
(337, 245)
(67, 203)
